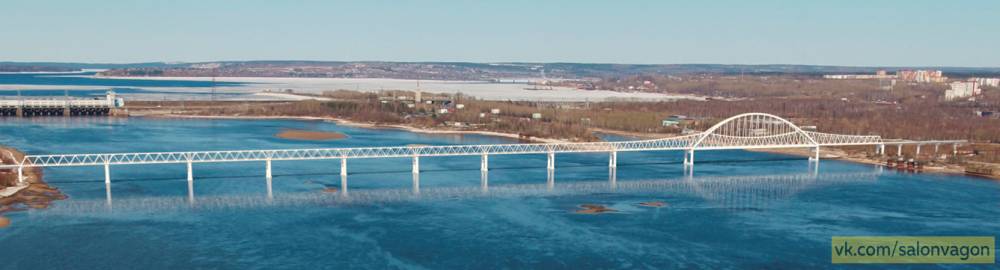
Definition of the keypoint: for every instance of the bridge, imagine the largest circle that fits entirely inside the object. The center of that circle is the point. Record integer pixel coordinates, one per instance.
(744, 131)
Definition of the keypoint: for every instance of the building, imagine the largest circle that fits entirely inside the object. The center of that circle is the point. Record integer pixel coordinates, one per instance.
(857, 76)
(922, 76)
(991, 82)
(959, 90)
(880, 74)
(674, 120)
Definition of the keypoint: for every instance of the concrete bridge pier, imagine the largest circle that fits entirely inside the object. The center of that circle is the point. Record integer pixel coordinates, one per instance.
(270, 191)
(815, 155)
(613, 160)
(936, 146)
(20, 174)
(814, 168)
(267, 169)
(190, 170)
(613, 178)
(918, 151)
(484, 181)
(689, 157)
(107, 194)
(267, 177)
(954, 149)
(191, 193)
(343, 184)
(484, 163)
(899, 150)
(107, 172)
(880, 149)
(416, 183)
(552, 161)
(550, 182)
(416, 164)
(343, 166)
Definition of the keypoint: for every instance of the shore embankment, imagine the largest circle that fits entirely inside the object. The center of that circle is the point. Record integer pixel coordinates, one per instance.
(839, 154)
(33, 193)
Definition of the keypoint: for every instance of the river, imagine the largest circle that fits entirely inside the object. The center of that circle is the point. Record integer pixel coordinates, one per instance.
(737, 209)
(87, 84)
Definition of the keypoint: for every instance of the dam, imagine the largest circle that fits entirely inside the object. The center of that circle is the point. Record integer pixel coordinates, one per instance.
(32, 107)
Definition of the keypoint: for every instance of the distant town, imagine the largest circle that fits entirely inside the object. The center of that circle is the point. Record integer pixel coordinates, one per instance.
(957, 89)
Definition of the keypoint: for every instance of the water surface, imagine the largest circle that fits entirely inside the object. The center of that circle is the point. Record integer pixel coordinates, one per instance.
(737, 210)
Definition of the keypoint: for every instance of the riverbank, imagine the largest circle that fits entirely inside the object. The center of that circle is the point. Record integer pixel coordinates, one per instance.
(34, 193)
(636, 135)
(350, 123)
(839, 154)
(309, 135)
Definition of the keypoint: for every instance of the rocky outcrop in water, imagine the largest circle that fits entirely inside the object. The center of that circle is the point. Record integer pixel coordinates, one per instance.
(36, 195)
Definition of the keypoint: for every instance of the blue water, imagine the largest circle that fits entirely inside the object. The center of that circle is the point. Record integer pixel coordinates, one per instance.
(86, 79)
(738, 209)
(69, 84)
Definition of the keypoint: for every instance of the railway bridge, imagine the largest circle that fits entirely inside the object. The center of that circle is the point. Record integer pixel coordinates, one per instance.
(744, 131)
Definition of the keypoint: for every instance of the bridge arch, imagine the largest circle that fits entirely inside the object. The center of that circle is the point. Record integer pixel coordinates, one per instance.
(751, 129)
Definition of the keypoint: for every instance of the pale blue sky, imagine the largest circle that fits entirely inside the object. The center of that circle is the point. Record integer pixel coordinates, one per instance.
(933, 33)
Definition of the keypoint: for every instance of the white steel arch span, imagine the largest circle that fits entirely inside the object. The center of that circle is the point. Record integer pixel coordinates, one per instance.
(744, 131)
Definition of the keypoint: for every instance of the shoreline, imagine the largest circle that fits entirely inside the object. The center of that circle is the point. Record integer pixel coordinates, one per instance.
(34, 193)
(841, 155)
(350, 123)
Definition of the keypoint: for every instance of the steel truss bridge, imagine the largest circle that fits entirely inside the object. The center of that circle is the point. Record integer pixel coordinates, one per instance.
(744, 131)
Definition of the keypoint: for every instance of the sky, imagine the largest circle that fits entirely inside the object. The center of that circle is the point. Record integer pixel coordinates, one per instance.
(815, 32)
